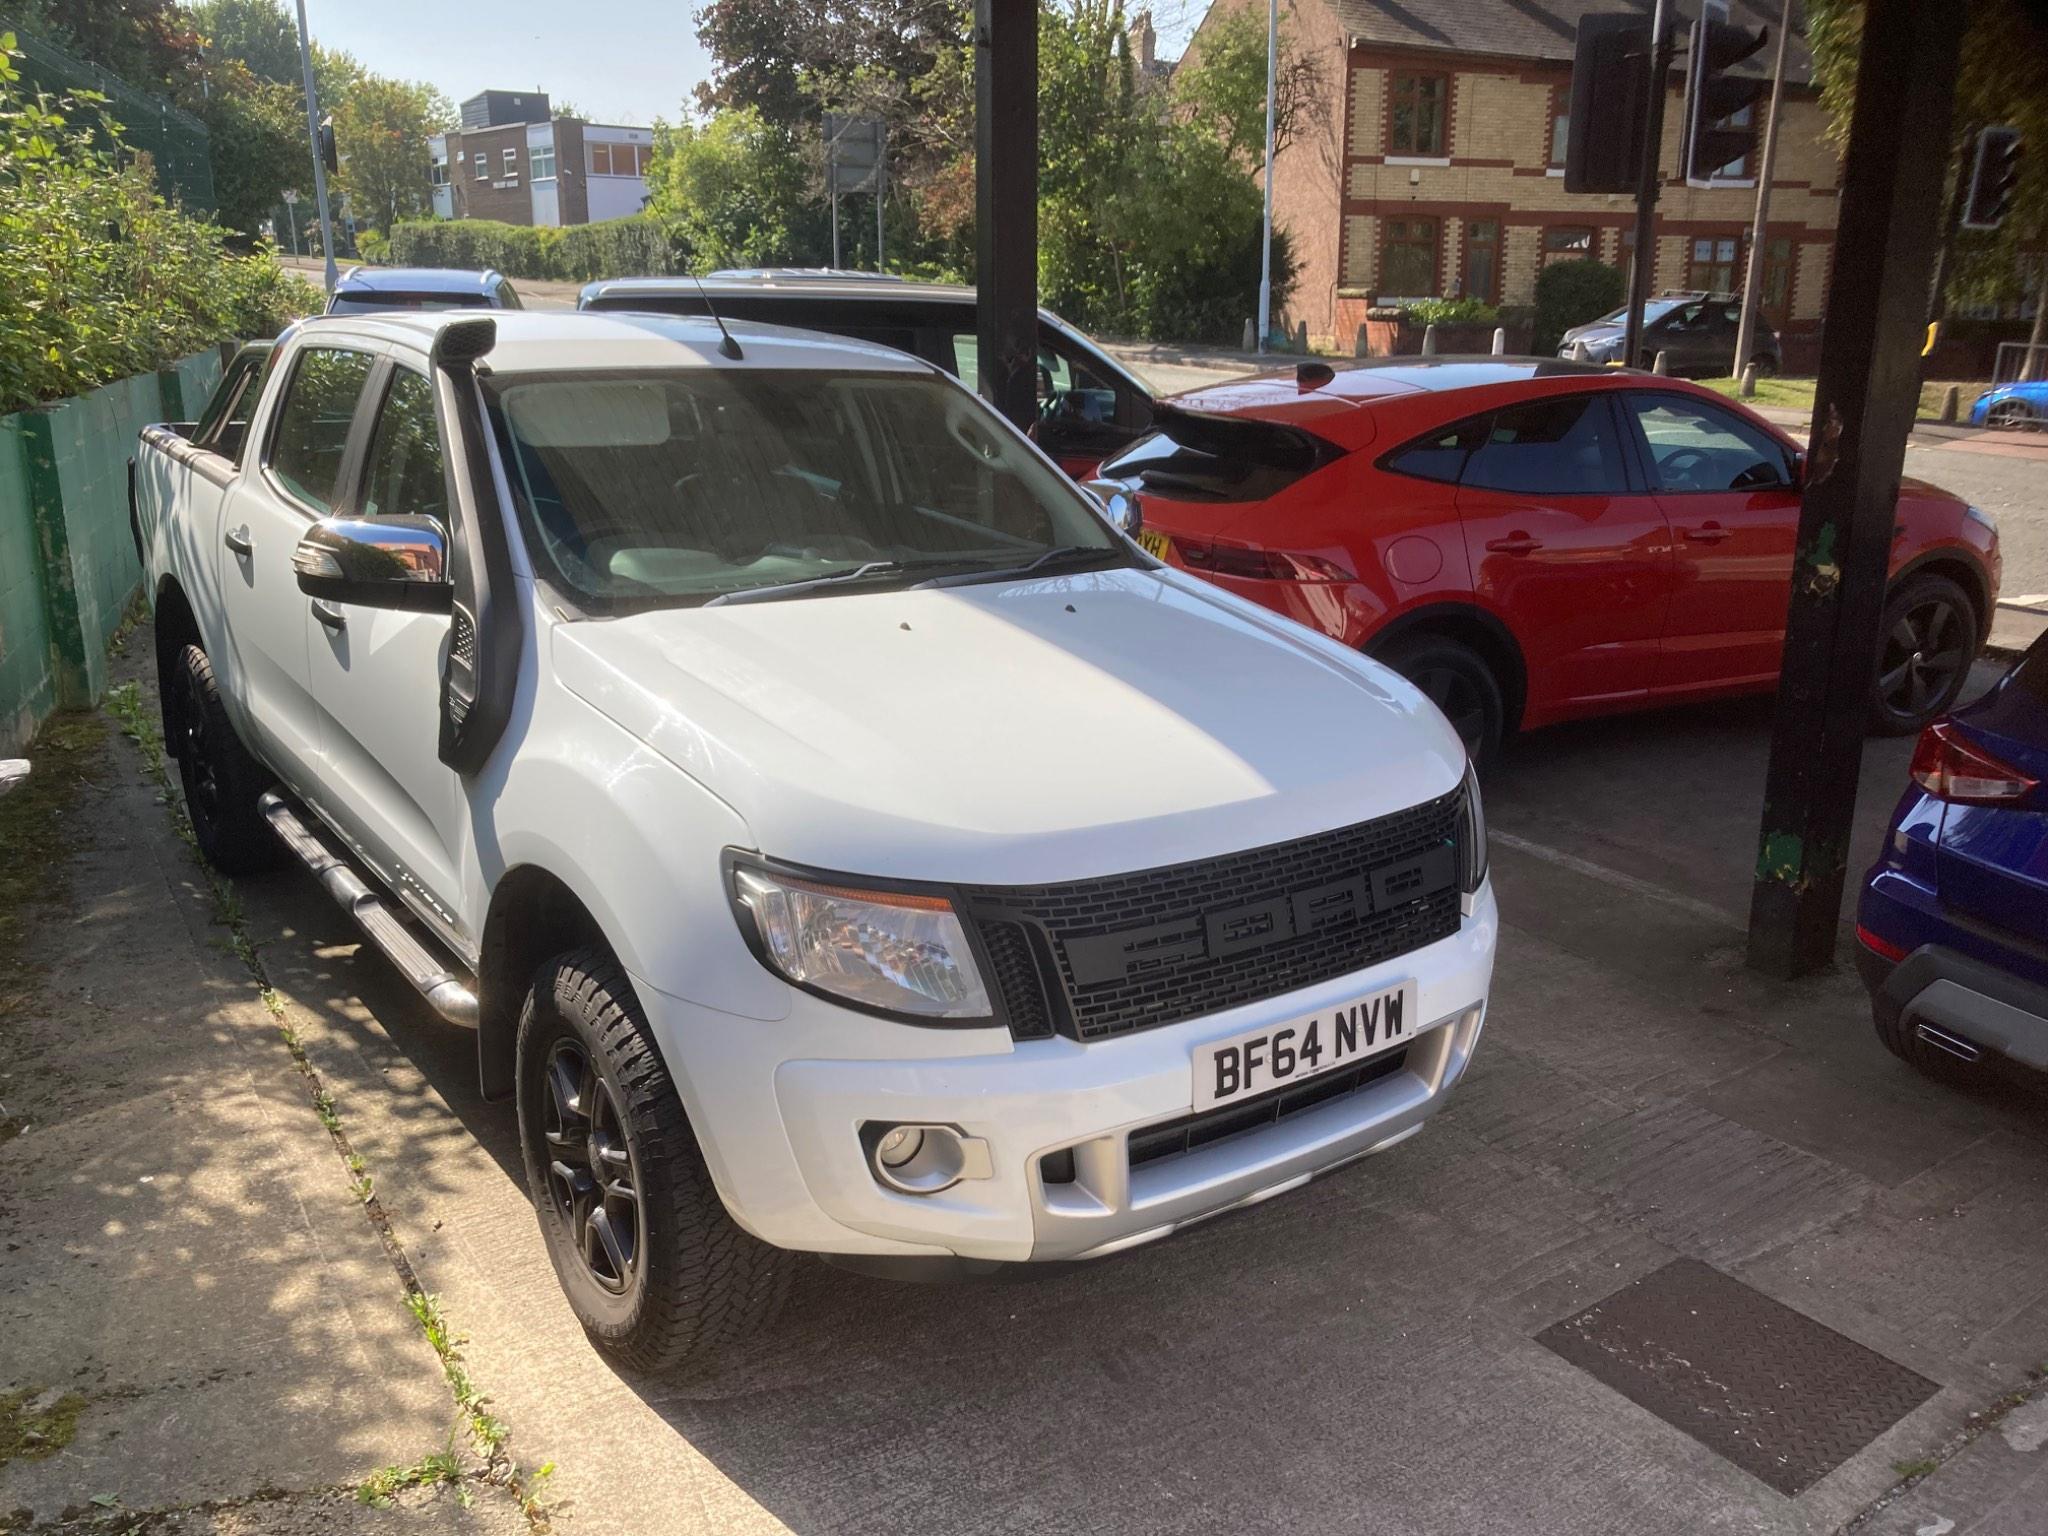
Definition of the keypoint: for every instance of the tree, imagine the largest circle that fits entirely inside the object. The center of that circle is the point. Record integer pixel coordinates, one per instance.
(2003, 78)
(257, 34)
(256, 129)
(148, 43)
(381, 128)
(736, 191)
(1222, 83)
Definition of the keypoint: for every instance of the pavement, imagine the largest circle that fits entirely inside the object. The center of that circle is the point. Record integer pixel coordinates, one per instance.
(1426, 1342)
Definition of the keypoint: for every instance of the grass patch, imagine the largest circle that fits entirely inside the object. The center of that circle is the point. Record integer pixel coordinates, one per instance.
(36, 823)
(1918, 1467)
(34, 1425)
(1797, 394)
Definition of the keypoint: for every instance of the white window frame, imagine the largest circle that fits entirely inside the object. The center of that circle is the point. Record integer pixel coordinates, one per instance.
(541, 162)
(511, 160)
(482, 160)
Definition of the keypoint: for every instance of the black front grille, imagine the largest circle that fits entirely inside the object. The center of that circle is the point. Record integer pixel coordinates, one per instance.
(1096, 958)
(1175, 1137)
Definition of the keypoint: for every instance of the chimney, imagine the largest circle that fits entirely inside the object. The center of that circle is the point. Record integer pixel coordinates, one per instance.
(1147, 40)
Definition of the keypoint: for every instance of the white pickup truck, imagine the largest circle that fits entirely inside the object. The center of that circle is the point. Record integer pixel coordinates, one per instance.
(841, 837)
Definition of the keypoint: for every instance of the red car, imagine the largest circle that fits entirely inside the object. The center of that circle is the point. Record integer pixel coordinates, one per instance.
(1530, 540)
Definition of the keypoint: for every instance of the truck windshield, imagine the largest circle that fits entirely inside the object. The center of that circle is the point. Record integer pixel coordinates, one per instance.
(669, 489)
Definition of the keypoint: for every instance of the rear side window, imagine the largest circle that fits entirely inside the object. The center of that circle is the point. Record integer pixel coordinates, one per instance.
(1562, 446)
(1441, 455)
(313, 422)
(1197, 457)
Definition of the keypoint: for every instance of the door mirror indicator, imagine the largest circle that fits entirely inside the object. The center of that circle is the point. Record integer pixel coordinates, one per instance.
(386, 562)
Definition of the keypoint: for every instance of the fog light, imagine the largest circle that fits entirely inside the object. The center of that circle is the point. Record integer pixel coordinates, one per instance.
(924, 1159)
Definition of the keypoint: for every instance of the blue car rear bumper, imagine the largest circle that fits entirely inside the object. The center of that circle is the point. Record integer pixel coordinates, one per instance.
(1937, 990)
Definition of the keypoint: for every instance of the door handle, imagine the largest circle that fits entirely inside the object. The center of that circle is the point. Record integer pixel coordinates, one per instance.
(1516, 543)
(238, 540)
(1707, 533)
(330, 615)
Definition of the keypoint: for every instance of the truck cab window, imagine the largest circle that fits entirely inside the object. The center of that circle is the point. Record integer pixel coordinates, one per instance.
(313, 423)
(405, 473)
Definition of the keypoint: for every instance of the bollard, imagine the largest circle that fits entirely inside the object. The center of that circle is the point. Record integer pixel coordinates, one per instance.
(1951, 402)
(1748, 381)
(1500, 341)
(1358, 347)
(1301, 337)
(1251, 336)
(1662, 366)
(1429, 341)
(1579, 352)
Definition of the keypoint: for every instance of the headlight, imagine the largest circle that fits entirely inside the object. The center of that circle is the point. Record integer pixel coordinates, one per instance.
(1471, 835)
(895, 952)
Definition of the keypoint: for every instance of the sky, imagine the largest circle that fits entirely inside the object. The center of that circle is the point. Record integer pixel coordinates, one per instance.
(631, 61)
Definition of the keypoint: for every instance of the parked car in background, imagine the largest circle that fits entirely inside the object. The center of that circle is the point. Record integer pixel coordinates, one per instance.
(364, 290)
(1089, 407)
(2024, 404)
(1952, 928)
(841, 839)
(1694, 331)
(1530, 540)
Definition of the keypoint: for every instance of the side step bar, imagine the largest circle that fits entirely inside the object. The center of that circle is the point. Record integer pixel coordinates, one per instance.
(449, 990)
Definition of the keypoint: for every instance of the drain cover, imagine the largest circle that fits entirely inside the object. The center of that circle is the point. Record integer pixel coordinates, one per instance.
(1781, 1396)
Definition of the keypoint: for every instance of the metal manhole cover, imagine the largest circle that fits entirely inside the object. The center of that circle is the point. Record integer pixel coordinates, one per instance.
(1783, 1397)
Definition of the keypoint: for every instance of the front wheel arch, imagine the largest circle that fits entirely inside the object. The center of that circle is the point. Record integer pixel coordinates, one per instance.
(1472, 626)
(533, 917)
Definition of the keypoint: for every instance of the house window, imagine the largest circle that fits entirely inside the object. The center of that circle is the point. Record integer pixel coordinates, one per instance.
(600, 159)
(541, 162)
(1567, 242)
(1560, 124)
(1408, 259)
(1416, 119)
(511, 162)
(437, 173)
(1711, 267)
(1482, 260)
(1737, 170)
(482, 162)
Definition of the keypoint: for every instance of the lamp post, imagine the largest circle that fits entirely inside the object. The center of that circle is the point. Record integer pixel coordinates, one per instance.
(1266, 240)
(313, 137)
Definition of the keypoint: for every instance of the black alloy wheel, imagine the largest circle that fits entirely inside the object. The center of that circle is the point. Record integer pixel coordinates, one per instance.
(1455, 693)
(1924, 655)
(591, 1174)
(1458, 681)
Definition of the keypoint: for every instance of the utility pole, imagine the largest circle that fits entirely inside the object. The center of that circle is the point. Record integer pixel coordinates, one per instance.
(313, 137)
(1863, 407)
(1266, 242)
(1647, 178)
(1006, 206)
(1753, 279)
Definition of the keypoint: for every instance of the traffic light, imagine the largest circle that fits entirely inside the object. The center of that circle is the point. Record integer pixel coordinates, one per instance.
(1610, 105)
(1994, 175)
(1713, 96)
(328, 157)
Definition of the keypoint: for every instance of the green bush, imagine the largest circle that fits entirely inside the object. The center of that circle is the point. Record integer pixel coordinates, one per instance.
(1570, 293)
(99, 277)
(1450, 312)
(629, 247)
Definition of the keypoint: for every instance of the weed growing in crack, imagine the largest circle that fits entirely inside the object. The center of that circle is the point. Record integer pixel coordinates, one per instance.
(441, 1468)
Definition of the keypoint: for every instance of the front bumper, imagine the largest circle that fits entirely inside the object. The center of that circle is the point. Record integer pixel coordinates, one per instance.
(779, 1108)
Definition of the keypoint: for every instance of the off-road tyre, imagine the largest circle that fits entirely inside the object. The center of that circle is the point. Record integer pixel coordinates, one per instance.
(222, 779)
(697, 1282)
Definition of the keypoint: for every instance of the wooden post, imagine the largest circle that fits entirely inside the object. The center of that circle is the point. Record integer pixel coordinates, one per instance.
(1864, 404)
(1006, 204)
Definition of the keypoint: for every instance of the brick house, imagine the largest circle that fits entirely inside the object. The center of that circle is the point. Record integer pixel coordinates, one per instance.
(1440, 168)
(513, 160)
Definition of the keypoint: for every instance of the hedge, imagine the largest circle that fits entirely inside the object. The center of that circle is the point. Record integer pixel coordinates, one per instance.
(1570, 293)
(629, 247)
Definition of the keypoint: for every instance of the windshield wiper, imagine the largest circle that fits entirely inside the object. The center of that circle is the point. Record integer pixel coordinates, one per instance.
(793, 588)
(1060, 554)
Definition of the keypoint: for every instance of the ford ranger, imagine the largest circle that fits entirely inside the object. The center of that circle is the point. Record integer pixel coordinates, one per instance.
(840, 837)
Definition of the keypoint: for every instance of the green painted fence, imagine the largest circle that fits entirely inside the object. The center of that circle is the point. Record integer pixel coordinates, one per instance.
(67, 556)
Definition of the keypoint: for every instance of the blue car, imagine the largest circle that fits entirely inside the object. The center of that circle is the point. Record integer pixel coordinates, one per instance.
(2012, 405)
(1952, 929)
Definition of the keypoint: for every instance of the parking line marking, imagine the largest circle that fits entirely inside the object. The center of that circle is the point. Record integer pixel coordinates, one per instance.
(1614, 877)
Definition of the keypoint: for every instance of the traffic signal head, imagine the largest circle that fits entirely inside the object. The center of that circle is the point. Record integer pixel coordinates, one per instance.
(1994, 176)
(1713, 96)
(1610, 104)
(328, 156)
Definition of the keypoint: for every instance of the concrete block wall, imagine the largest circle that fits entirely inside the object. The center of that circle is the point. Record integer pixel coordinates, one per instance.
(68, 567)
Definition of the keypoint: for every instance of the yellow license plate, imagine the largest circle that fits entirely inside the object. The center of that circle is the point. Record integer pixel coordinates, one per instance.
(1153, 542)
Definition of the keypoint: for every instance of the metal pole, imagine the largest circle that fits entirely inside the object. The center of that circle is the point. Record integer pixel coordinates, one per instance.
(1006, 205)
(832, 174)
(1753, 279)
(1647, 177)
(1266, 240)
(880, 193)
(1864, 403)
(291, 214)
(313, 137)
